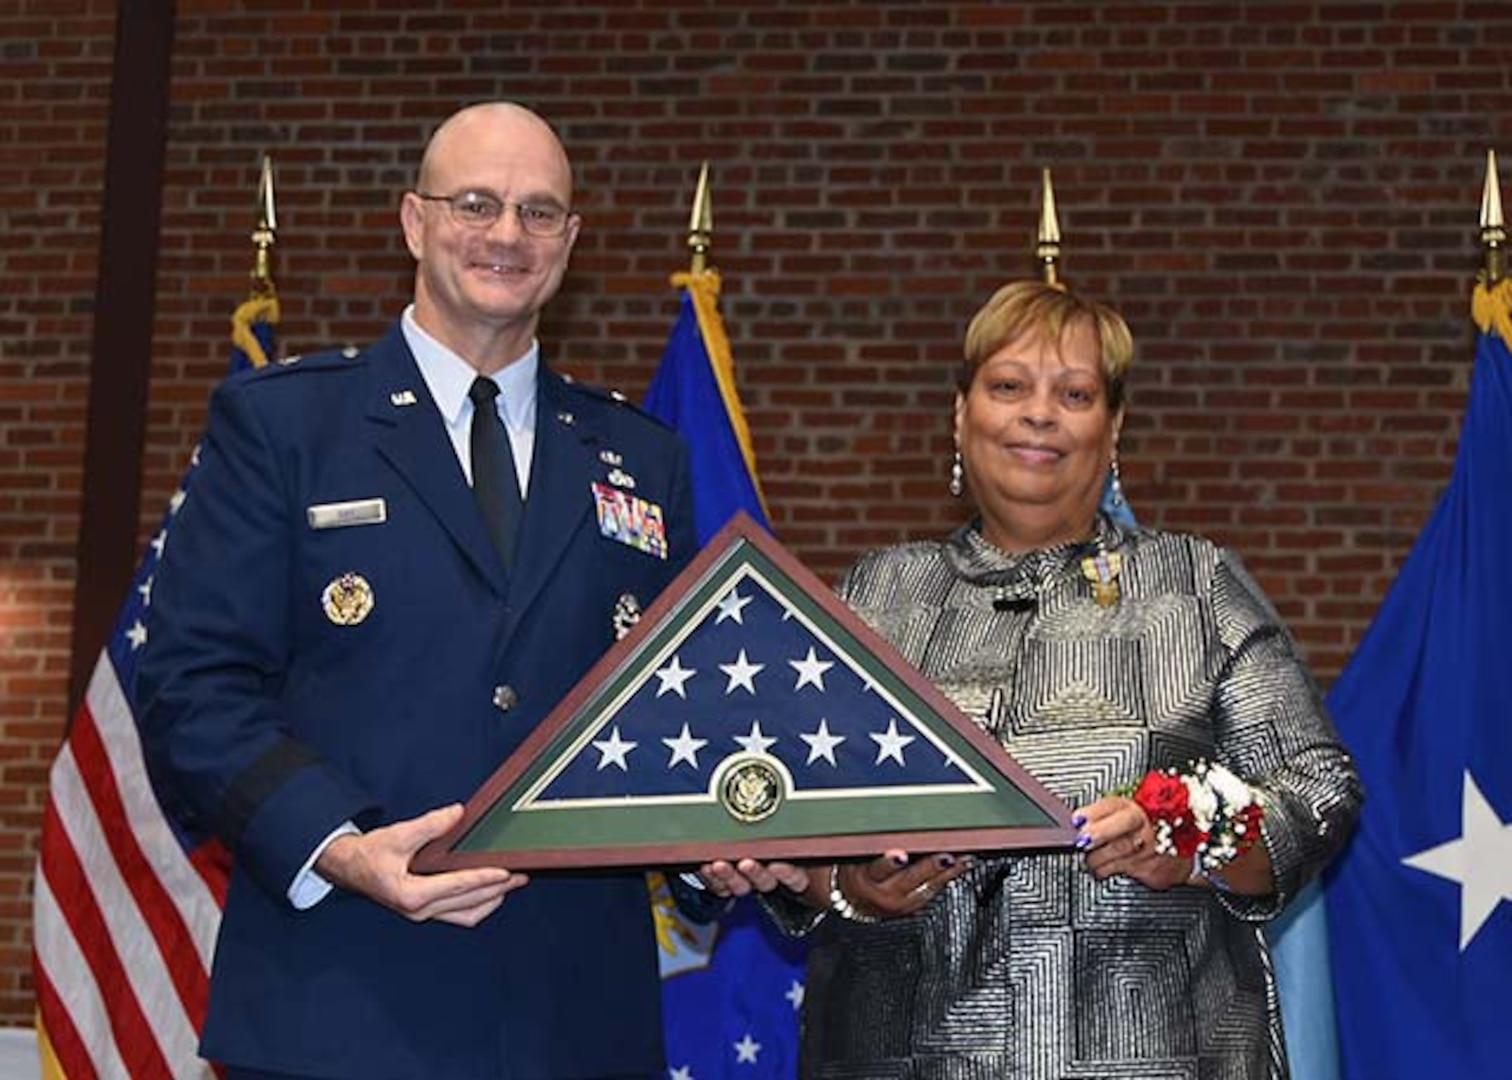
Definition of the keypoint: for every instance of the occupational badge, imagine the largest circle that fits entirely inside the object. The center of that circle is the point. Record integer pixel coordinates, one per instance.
(627, 612)
(348, 599)
(630, 520)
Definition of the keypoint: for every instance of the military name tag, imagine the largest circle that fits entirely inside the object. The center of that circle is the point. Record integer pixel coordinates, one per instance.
(630, 520)
(341, 514)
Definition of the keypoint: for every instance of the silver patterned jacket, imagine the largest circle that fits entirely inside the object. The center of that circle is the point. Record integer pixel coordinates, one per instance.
(1027, 966)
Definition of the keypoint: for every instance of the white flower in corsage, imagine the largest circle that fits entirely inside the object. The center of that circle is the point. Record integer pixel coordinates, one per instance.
(1206, 814)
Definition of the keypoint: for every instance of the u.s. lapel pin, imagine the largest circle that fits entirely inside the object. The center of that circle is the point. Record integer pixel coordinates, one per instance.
(402, 397)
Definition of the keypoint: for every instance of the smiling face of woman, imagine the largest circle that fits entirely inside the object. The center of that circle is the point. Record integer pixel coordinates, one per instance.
(1036, 432)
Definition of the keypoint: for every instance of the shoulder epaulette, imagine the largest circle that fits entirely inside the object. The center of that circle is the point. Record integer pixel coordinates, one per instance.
(317, 361)
(610, 396)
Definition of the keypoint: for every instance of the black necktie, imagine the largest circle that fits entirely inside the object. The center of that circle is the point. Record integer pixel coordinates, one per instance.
(495, 485)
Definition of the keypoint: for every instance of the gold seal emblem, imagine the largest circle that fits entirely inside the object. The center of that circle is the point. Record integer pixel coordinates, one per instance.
(347, 600)
(750, 787)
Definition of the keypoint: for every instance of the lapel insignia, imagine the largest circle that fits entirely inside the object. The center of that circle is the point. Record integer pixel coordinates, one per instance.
(567, 418)
(627, 612)
(609, 457)
(631, 521)
(348, 599)
(402, 397)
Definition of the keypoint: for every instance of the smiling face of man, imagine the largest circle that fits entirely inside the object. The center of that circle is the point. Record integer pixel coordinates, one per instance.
(480, 287)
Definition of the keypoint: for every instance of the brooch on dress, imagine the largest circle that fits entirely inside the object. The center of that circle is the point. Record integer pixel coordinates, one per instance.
(1101, 571)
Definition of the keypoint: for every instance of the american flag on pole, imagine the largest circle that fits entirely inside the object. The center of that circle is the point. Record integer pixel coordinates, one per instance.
(126, 903)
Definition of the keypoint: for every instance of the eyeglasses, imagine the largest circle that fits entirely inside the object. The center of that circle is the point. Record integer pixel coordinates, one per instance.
(480, 209)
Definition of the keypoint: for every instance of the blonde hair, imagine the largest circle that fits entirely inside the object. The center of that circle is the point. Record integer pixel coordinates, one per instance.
(1047, 312)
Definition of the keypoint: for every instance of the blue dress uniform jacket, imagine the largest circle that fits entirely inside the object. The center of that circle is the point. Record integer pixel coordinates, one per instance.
(271, 723)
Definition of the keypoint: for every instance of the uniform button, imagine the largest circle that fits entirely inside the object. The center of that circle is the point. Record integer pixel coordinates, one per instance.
(505, 698)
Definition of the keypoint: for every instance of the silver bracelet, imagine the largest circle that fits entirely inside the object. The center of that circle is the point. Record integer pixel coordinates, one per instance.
(841, 905)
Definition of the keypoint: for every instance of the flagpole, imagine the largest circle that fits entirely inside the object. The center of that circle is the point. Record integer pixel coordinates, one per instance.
(1491, 299)
(260, 309)
(1492, 225)
(265, 235)
(1048, 241)
(701, 224)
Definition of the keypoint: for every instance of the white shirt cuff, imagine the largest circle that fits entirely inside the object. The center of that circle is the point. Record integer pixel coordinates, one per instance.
(309, 888)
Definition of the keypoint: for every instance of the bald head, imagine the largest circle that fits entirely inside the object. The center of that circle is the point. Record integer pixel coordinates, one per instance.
(481, 280)
(493, 124)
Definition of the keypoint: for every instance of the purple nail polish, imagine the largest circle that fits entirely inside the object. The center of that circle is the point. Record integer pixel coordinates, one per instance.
(1083, 840)
(1078, 820)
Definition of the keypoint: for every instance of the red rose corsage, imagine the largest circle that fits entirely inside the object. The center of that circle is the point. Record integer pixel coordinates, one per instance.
(1207, 814)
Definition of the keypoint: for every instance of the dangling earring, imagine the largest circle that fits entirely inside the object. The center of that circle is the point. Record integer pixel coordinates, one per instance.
(1115, 487)
(957, 474)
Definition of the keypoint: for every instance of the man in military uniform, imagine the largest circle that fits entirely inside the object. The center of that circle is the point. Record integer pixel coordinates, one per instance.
(387, 572)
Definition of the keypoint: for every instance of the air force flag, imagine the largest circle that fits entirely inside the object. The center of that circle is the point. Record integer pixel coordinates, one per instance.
(1420, 907)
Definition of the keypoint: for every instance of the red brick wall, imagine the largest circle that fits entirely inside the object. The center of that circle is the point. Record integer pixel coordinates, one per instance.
(1281, 197)
(54, 101)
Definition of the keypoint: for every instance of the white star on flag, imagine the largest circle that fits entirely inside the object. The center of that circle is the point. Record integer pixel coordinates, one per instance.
(137, 635)
(685, 748)
(822, 744)
(742, 673)
(732, 607)
(145, 588)
(811, 671)
(795, 995)
(1480, 860)
(890, 744)
(613, 750)
(684, 1073)
(672, 677)
(176, 500)
(159, 542)
(755, 742)
(747, 1049)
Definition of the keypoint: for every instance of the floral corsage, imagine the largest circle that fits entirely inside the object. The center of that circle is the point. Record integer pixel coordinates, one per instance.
(1207, 815)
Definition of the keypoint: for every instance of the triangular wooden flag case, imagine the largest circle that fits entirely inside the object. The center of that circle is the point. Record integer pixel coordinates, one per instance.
(749, 713)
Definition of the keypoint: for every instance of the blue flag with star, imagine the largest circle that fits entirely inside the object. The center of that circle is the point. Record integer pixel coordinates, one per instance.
(1420, 906)
(731, 992)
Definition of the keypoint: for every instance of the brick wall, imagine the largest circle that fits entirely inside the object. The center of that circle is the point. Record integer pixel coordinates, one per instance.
(1281, 197)
(54, 100)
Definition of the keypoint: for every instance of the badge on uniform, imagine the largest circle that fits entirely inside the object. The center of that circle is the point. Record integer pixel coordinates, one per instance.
(348, 599)
(630, 520)
(627, 612)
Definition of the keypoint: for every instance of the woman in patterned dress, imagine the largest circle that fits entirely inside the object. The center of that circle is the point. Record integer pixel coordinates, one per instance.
(1094, 651)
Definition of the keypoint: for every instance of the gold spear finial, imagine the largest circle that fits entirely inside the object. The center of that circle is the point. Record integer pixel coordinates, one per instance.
(1492, 225)
(701, 223)
(1047, 246)
(264, 234)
